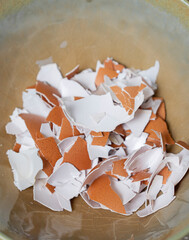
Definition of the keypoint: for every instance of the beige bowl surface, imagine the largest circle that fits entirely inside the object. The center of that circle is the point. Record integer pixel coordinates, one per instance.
(136, 33)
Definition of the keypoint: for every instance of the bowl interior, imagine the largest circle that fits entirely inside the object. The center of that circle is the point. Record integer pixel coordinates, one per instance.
(134, 33)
